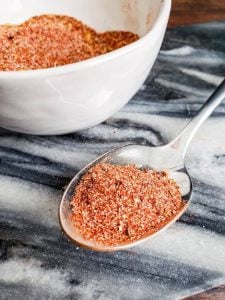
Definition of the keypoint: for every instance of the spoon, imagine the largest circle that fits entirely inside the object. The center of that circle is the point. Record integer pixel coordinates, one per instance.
(169, 157)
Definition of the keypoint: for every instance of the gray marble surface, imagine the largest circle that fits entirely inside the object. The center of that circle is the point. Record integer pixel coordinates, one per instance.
(38, 262)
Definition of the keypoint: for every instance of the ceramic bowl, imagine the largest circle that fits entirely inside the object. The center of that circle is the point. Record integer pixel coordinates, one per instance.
(80, 95)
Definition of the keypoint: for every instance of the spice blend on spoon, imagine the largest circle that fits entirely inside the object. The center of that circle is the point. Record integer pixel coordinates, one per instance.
(53, 40)
(115, 204)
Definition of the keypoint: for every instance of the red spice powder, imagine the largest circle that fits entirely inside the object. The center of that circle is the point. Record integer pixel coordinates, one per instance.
(115, 204)
(52, 40)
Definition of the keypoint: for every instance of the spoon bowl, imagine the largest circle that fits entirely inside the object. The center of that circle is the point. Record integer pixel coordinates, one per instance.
(169, 157)
(140, 156)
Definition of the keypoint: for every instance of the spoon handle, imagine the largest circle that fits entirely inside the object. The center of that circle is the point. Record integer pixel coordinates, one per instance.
(182, 141)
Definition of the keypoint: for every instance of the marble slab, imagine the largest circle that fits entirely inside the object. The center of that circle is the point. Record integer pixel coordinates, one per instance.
(38, 262)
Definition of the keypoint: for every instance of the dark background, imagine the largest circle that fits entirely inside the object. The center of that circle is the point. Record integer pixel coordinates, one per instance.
(196, 11)
(190, 12)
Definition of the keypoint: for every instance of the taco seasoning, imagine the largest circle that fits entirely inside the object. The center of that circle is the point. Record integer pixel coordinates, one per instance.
(113, 205)
(53, 40)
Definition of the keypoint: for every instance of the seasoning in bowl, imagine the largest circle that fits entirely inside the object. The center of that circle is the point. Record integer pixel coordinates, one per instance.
(53, 40)
(114, 205)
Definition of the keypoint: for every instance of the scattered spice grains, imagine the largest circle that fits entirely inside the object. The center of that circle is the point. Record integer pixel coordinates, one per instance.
(53, 40)
(115, 204)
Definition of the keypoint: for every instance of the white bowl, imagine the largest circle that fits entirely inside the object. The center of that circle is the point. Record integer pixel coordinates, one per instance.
(77, 96)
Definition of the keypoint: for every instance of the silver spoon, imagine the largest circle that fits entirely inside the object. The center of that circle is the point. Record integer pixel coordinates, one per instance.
(169, 157)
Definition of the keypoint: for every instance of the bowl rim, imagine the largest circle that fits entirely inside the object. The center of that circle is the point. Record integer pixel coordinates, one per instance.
(165, 7)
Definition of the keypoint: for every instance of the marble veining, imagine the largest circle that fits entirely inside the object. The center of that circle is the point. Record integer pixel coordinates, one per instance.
(38, 262)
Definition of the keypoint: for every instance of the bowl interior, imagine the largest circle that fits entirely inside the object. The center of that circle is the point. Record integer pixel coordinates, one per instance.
(132, 15)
